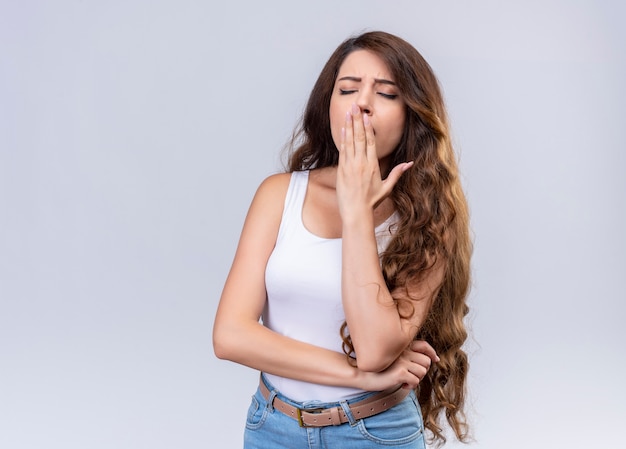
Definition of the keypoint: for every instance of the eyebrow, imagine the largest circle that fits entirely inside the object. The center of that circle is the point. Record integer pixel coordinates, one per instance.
(358, 79)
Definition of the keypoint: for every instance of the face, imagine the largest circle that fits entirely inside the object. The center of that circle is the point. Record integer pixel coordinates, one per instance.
(364, 79)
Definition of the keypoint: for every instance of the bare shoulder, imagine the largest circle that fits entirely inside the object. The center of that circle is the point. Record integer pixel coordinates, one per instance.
(275, 184)
(272, 191)
(269, 201)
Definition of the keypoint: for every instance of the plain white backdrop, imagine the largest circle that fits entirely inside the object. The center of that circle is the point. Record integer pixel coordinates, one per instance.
(134, 133)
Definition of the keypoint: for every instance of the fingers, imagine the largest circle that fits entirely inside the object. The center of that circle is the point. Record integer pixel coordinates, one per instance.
(409, 368)
(414, 363)
(364, 135)
(418, 363)
(358, 161)
(359, 135)
(348, 135)
(420, 355)
(423, 347)
(359, 131)
(413, 375)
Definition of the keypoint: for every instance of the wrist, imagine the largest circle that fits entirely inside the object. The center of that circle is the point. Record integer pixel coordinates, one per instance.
(367, 380)
(361, 217)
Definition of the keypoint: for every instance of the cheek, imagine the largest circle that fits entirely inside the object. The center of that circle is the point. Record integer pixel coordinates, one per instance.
(393, 132)
(394, 128)
(337, 121)
(398, 126)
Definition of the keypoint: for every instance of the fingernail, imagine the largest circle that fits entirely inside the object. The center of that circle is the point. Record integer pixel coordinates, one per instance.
(355, 109)
(366, 119)
(348, 116)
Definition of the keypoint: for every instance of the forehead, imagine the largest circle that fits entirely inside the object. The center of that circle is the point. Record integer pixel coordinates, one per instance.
(363, 64)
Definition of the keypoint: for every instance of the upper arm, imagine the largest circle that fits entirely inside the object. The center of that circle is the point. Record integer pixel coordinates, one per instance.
(415, 299)
(244, 294)
(409, 304)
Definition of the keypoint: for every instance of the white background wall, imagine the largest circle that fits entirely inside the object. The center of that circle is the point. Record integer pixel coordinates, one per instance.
(134, 133)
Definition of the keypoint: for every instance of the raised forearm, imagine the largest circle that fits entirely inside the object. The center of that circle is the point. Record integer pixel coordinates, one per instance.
(372, 316)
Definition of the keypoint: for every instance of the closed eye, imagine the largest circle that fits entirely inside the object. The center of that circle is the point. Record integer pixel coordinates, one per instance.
(382, 94)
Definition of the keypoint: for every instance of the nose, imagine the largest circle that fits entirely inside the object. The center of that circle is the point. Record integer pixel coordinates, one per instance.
(364, 101)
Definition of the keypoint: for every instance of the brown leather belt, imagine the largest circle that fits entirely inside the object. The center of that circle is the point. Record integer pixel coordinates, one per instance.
(334, 416)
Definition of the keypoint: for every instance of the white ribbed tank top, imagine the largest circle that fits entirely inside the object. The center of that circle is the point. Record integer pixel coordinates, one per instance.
(303, 282)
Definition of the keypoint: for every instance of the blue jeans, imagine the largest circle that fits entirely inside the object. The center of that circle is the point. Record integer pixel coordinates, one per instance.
(267, 428)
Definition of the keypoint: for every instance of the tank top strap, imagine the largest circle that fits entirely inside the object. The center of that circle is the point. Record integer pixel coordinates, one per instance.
(294, 200)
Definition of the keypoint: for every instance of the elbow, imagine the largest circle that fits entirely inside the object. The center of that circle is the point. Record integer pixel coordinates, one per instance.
(373, 362)
(376, 355)
(222, 347)
(220, 350)
(230, 339)
(372, 366)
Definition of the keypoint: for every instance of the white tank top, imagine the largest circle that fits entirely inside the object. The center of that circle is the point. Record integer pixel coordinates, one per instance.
(303, 282)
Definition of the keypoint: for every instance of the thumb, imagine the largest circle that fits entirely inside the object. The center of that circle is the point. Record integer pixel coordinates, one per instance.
(395, 175)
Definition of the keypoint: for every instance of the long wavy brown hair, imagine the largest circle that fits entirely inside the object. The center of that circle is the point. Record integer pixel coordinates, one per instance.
(433, 225)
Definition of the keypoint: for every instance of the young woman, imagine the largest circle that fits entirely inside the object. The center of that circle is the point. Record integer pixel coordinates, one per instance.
(357, 264)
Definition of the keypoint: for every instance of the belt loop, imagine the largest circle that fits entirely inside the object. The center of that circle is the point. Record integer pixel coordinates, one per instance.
(346, 409)
(273, 393)
(270, 400)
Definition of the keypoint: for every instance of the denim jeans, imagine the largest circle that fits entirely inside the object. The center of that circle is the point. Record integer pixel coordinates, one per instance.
(267, 428)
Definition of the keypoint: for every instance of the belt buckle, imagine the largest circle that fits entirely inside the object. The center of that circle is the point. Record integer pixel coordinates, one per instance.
(301, 423)
(299, 416)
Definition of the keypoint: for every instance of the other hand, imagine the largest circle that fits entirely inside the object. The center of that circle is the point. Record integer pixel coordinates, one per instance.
(407, 370)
